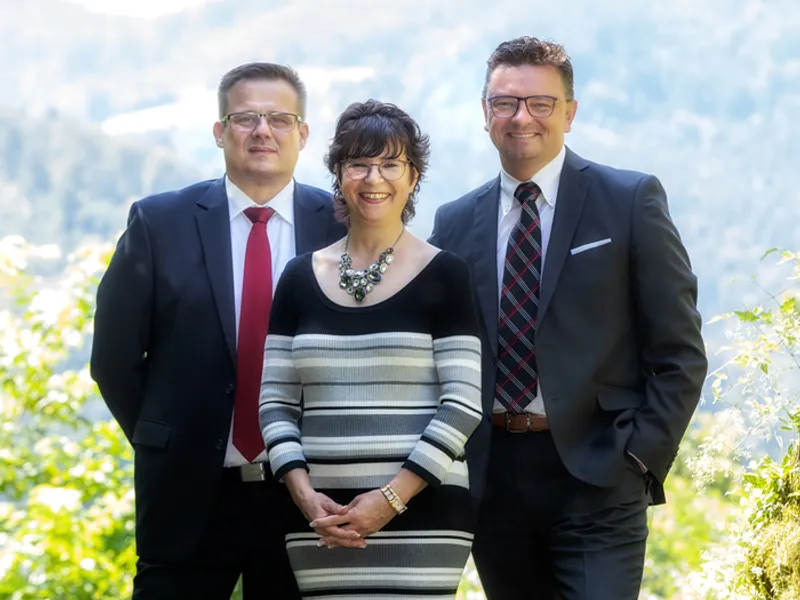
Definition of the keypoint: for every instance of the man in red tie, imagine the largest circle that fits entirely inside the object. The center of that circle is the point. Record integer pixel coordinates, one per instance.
(181, 319)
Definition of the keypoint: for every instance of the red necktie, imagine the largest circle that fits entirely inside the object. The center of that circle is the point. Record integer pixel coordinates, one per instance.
(253, 323)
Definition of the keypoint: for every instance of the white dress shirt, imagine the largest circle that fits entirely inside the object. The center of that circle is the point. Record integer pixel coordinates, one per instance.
(510, 210)
(280, 231)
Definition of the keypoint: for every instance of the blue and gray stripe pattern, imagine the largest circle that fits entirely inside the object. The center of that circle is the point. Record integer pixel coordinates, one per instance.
(371, 404)
(354, 395)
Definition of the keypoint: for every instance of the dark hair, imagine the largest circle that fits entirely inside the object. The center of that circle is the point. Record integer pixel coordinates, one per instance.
(527, 50)
(368, 129)
(260, 71)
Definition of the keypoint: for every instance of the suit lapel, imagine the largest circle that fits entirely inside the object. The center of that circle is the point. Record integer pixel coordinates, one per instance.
(484, 248)
(311, 223)
(213, 224)
(572, 189)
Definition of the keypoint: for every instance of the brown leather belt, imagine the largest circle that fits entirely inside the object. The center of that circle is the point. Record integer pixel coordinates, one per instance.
(520, 423)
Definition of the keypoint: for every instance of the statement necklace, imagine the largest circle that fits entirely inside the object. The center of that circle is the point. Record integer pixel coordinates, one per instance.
(360, 283)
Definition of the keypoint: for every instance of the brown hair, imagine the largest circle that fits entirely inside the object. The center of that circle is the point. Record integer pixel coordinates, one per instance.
(368, 129)
(527, 50)
(260, 71)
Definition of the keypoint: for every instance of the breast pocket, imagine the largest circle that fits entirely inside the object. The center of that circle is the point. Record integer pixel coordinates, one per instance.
(593, 278)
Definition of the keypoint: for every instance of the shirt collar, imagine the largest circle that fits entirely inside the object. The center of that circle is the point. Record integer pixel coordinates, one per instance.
(547, 179)
(282, 203)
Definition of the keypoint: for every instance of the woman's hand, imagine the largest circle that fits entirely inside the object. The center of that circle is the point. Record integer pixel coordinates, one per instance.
(315, 505)
(365, 515)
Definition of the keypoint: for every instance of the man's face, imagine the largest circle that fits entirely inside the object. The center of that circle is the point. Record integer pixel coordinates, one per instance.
(261, 153)
(525, 141)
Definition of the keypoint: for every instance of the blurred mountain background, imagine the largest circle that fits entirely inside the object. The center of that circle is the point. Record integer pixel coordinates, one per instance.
(105, 101)
(98, 110)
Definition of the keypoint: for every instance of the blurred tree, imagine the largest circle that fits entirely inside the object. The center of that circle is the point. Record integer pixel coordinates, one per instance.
(759, 557)
(66, 501)
(696, 516)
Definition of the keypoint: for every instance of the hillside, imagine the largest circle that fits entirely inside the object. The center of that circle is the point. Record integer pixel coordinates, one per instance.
(63, 181)
(705, 95)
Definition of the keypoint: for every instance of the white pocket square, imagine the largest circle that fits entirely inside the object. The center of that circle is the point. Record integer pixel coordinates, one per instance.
(589, 246)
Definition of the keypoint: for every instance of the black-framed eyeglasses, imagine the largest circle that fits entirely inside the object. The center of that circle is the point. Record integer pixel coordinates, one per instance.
(506, 107)
(247, 121)
(390, 169)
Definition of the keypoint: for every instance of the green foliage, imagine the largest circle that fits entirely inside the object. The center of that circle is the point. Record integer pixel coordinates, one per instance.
(771, 569)
(66, 504)
(759, 557)
(66, 500)
(695, 517)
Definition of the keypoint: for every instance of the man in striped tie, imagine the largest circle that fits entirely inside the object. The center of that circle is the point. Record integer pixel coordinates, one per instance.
(181, 321)
(593, 358)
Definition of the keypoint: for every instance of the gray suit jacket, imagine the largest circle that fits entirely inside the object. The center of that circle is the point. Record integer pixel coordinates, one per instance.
(619, 352)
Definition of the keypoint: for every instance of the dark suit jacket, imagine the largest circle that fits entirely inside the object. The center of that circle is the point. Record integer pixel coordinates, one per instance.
(164, 350)
(619, 353)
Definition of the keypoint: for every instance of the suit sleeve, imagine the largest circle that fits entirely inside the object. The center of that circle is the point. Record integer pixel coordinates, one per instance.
(280, 400)
(436, 234)
(457, 356)
(122, 323)
(668, 326)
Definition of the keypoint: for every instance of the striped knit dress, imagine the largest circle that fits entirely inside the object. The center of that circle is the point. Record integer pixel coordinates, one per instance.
(354, 394)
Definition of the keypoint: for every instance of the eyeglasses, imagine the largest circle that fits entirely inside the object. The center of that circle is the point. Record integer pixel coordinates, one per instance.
(248, 121)
(390, 170)
(506, 107)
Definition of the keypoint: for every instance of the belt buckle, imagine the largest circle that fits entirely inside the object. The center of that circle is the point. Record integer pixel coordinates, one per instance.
(253, 472)
(527, 424)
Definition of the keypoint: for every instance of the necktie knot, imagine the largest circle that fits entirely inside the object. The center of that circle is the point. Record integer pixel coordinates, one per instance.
(527, 192)
(259, 214)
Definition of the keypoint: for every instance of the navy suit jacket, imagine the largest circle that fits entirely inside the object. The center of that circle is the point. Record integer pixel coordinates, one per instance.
(164, 350)
(618, 347)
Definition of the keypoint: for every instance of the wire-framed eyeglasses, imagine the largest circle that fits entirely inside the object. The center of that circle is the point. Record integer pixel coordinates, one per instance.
(390, 169)
(247, 121)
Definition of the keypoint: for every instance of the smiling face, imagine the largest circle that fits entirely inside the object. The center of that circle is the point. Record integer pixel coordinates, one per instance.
(261, 155)
(376, 199)
(527, 143)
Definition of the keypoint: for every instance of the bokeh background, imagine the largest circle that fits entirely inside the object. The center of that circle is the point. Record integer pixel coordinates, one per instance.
(105, 101)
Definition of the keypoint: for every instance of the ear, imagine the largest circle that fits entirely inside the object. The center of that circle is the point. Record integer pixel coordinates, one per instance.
(219, 133)
(572, 110)
(486, 114)
(303, 131)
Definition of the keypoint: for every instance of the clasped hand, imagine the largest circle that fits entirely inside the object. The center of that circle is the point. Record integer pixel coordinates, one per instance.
(347, 526)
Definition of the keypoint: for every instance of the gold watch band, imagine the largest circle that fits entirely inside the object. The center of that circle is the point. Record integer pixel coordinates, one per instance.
(394, 500)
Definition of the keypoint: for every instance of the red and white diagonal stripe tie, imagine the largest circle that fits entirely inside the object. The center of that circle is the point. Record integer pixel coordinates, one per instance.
(517, 379)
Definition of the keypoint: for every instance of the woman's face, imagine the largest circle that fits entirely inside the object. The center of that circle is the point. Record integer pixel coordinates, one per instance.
(376, 189)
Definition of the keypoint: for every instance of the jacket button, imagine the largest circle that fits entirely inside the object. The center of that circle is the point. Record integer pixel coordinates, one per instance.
(229, 389)
(220, 444)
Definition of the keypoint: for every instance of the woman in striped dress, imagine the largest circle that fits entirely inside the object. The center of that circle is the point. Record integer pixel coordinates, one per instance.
(371, 383)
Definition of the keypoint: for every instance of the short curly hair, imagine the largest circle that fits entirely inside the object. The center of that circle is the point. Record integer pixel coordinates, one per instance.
(367, 130)
(527, 50)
